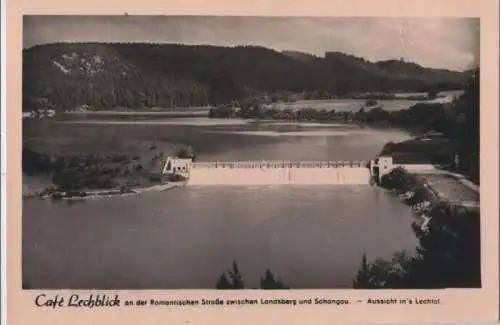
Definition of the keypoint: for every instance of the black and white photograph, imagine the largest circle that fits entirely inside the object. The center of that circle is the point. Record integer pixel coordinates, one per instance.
(250, 152)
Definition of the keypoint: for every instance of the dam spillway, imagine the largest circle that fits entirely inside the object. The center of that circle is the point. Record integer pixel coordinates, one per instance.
(279, 173)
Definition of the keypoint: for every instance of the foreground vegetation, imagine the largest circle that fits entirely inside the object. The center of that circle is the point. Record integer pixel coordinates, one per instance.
(448, 254)
(233, 280)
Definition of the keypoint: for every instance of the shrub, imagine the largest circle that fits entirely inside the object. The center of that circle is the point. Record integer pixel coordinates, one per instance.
(185, 152)
(268, 282)
(235, 280)
(155, 178)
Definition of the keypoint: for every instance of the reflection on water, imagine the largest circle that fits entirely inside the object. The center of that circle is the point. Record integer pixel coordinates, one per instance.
(324, 144)
(222, 140)
(289, 134)
(203, 121)
(312, 237)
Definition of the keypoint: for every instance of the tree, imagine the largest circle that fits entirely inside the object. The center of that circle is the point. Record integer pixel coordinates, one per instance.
(448, 255)
(186, 152)
(223, 282)
(172, 75)
(268, 282)
(235, 280)
(432, 93)
(236, 277)
(467, 112)
(363, 278)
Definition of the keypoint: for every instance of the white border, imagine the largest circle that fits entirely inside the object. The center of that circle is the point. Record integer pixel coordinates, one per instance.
(258, 4)
(3, 147)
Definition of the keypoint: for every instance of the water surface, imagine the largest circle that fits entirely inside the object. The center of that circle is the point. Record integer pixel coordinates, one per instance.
(310, 236)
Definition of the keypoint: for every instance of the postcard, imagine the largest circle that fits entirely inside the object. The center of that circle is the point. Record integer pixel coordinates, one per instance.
(270, 162)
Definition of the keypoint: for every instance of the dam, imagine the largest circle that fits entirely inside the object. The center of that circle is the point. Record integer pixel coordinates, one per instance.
(270, 172)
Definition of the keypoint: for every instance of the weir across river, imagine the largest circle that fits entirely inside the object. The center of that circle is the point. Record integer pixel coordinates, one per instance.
(271, 172)
(280, 164)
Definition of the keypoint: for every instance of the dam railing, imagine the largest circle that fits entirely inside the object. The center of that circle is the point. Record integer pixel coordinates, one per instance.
(281, 164)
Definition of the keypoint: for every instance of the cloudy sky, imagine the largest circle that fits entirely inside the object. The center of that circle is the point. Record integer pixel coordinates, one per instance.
(450, 43)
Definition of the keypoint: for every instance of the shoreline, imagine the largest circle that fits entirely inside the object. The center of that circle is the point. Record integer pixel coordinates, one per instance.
(422, 206)
(104, 193)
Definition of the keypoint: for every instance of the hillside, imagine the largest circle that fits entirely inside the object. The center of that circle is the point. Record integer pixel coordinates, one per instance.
(169, 75)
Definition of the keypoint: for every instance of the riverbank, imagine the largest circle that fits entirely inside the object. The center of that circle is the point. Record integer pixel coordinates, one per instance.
(448, 255)
(107, 164)
(104, 193)
(195, 112)
(426, 191)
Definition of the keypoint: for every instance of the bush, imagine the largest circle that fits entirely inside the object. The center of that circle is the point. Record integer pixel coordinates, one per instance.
(185, 152)
(269, 283)
(235, 280)
(155, 178)
(397, 179)
(35, 163)
(176, 178)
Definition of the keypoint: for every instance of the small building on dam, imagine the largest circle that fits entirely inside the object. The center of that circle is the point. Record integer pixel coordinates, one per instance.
(177, 168)
(383, 165)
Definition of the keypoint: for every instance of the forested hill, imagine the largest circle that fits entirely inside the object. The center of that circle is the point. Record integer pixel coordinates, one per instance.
(68, 75)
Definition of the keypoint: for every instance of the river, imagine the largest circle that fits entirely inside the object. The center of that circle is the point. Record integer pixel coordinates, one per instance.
(310, 236)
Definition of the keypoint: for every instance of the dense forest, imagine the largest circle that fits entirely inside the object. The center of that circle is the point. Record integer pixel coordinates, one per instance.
(101, 76)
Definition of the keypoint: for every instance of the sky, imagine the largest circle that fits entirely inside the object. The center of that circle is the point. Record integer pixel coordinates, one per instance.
(448, 43)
